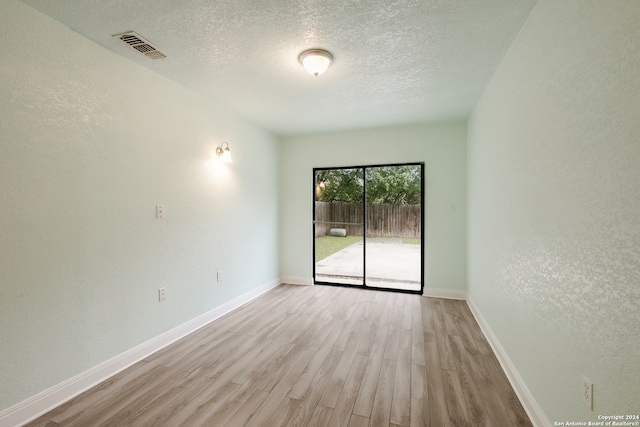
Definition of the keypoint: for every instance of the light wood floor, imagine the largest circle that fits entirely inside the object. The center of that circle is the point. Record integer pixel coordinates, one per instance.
(313, 356)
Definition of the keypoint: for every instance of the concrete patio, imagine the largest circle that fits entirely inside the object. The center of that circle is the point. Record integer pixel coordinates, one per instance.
(390, 264)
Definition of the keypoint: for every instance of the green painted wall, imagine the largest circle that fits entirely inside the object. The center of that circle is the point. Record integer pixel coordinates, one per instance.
(554, 206)
(89, 144)
(443, 149)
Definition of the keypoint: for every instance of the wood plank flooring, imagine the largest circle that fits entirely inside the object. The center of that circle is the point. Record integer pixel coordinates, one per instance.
(313, 356)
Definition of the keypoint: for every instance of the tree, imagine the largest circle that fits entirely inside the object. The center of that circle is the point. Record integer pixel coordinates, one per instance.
(385, 184)
(340, 185)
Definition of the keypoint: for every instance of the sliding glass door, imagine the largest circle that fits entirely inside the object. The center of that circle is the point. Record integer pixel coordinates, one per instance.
(368, 226)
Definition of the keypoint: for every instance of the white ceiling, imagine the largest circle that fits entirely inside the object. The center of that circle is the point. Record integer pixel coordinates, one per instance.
(396, 61)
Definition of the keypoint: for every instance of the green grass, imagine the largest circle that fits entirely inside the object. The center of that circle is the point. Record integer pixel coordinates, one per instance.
(328, 245)
(411, 241)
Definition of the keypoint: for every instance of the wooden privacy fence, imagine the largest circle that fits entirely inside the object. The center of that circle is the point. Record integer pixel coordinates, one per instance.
(382, 220)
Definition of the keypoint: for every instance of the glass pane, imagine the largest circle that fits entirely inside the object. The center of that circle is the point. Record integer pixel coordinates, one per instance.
(394, 227)
(338, 226)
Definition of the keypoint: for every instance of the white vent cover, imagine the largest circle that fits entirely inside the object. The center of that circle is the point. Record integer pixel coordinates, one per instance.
(141, 45)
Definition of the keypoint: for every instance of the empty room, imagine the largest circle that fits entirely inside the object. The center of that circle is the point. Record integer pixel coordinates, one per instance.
(305, 213)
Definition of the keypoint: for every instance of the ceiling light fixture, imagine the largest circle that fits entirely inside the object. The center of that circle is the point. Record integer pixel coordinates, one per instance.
(224, 153)
(316, 61)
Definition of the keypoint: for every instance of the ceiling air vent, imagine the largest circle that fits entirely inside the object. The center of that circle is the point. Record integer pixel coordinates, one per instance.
(141, 45)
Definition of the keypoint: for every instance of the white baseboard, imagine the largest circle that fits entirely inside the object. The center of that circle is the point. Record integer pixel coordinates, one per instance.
(444, 293)
(41, 403)
(537, 416)
(294, 280)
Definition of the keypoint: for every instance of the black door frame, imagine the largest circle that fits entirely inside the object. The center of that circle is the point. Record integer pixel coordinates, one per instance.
(364, 227)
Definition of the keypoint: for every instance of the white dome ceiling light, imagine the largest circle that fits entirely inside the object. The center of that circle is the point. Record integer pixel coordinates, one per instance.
(315, 61)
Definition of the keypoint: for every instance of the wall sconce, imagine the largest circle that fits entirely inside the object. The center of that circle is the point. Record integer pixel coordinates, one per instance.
(224, 153)
(319, 189)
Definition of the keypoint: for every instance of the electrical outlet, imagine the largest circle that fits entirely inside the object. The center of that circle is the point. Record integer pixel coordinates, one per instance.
(162, 294)
(587, 392)
(219, 276)
(159, 211)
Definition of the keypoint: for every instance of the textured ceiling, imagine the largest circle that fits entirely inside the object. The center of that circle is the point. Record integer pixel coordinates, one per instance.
(396, 61)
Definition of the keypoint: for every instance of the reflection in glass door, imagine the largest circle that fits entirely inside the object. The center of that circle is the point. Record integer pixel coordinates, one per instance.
(368, 226)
